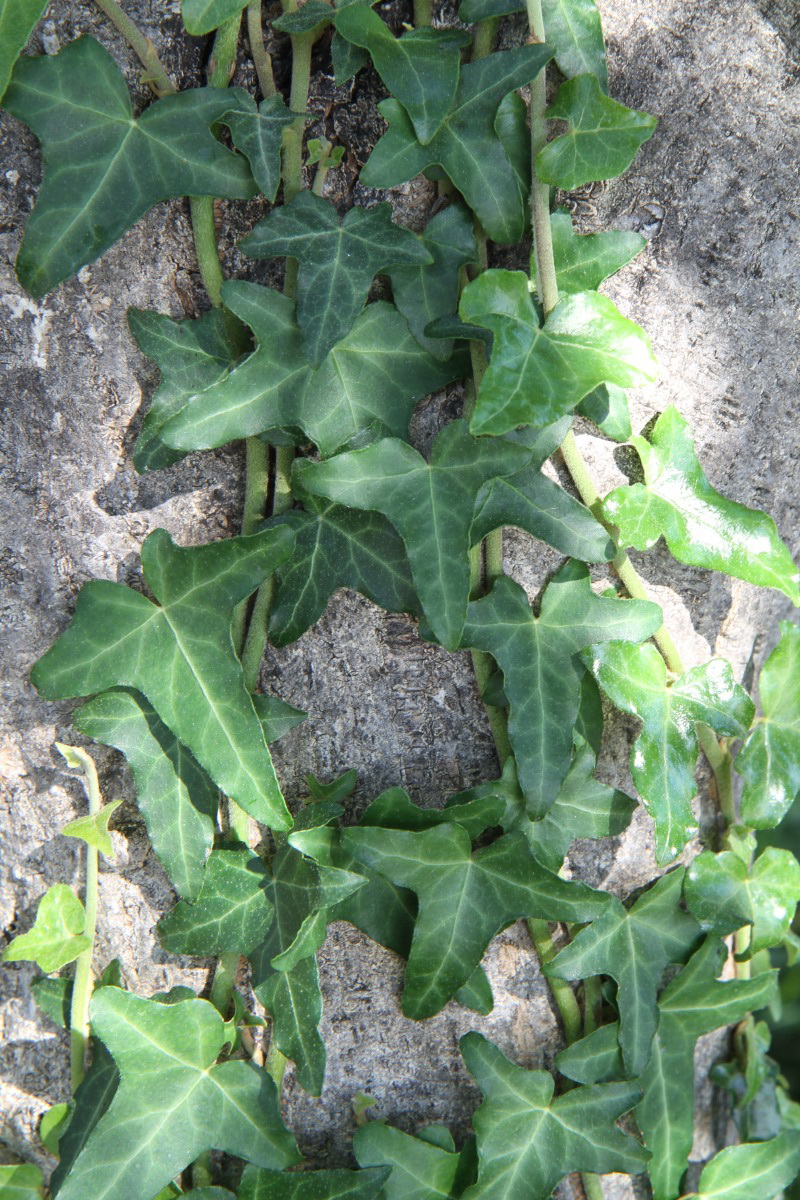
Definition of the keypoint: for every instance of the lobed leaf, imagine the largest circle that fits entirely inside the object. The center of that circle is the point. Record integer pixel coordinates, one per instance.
(312, 17)
(418, 1169)
(585, 260)
(769, 761)
(179, 654)
(93, 830)
(258, 1184)
(602, 140)
(103, 169)
(257, 130)
(18, 19)
(701, 527)
(607, 408)
(758, 1171)
(232, 912)
(203, 16)
(56, 937)
(725, 893)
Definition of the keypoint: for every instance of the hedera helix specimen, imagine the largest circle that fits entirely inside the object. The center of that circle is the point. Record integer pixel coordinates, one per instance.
(331, 379)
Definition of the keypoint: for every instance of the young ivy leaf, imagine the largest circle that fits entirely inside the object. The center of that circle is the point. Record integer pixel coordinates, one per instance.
(203, 16)
(425, 293)
(18, 19)
(664, 755)
(584, 261)
(338, 260)
(420, 68)
(541, 673)
(22, 1181)
(232, 913)
(769, 761)
(466, 146)
(758, 1171)
(56, 937)
(633, 946)
(94, 829)
(371, 380)
(528, 1141)
(700, 526)
(257, 130)
(603, 137)
(179, 654)
(538, 373)
(464, 900)
(430, 506)
(419, 1169)
(724, 893)
(102, 169)
(258, 1184)
(168, 1081)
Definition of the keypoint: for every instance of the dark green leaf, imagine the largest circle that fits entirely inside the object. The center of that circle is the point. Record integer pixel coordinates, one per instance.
(203, 16)
(541, 673)
(769, 761)
(466, 145)
(313, 16)
(596, 1058)
(420, 1169)
(338, 260)
(420, 68)
(538, 373)
(724, 894)
(607, 407)
(23, 1181)
(18, 19)
(336, 791)
(348, 60)
(54, 997)
(102, 169)
(180, 655)
(371, 379)
(430, 506)
(463, 900)
(700, 526)
(528, 1141)
(168, 1081)
(257, 130)
(603, 137)
(584, 261)
(92, 1100)
(232, 913)
(56, 937)
(425, 293)
(758, 1171)
(664, 756)
(394, 809)
(310, 1185)
(633, 946)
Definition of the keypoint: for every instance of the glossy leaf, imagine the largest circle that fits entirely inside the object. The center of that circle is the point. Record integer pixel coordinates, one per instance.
(94, 829)
(584, 261)
(419, 1169)
(102, 169)
(232, 913)
(179, 654)
(425, 293)
(394, 809)
(724, 894)
(371, 380)
(758, 1171)
(466, 145)
(528, 1141)
(464, 900)
(310, 1185)
(338, 259)
(633, 946)
(420, 68)
(769, 761)
(18, 19)
(607, 408)
(168, 1081)
(538, 373)
(665, 753)
(56, 937)
(541, 671)
(602, 140)
(257, 130)
(203, 16)
(699, 525)
(430, 506)
(596, 1058)
(22, 1181)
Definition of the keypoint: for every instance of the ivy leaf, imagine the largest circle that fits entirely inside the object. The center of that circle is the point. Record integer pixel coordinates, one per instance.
(541, 673)
(699, 525)
(430, 506)
(724, 894)
(257, 130)
(664, 755)
(393, 809)
(21, 1181)
(372, 379)
(596, 1058)
(693, 1004)
(603, 138)
(232, 913)
(420, 68)
(102, 169)
(312, 17)
(92, 1100)
(425, 293)
(338, 259)
(758, 1171)
(179, 654)
(18, 19)
(56, 937)
(310, 1185)
(607, 408)
(420, 1169)
(94, 829)
(633, 946)
(769, 761)
(584, 261)
(466, 145)
(165, 1054)
(463, 900)
(573, 26)
(538, 373)
(528, 1141)
(203, 16)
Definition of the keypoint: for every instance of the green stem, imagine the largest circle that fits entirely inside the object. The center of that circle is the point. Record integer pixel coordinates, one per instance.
(592, 1187)
(222, 63)
(157, 77)
(562, 993)
(483, 38)
(592, 1002)
(79, 1028)
(258, 51)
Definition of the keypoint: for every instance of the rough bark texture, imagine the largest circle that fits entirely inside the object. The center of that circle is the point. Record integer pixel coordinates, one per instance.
(717, 288)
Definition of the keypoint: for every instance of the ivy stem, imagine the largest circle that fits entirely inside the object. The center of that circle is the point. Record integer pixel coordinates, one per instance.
(562, 993)
(483, 38)
(262, 60)
(157, 77)
(79, 1028)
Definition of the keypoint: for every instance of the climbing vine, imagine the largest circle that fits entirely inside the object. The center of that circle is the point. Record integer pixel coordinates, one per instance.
(322, 383)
